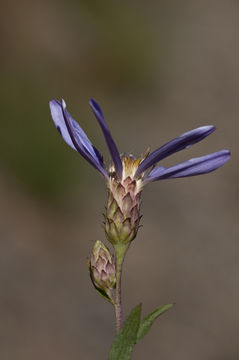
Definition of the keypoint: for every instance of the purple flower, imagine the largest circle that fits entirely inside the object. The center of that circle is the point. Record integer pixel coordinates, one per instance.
(142, 170)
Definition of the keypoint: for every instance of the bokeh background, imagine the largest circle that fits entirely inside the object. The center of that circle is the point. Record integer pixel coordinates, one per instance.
(158, 68)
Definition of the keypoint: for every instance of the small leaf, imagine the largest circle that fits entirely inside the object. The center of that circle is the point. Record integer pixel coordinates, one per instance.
(147, 322)
(125, 340)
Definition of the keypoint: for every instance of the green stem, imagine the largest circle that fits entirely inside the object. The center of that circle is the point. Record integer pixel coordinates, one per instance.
(120, 251)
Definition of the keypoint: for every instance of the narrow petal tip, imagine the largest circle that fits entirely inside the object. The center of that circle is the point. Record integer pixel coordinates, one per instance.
(96, 108)
(63, 103)
(207, 128)
(226, 154)
(198, 134)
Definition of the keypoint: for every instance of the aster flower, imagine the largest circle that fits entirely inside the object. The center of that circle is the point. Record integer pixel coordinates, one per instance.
(127, 175)
(125, 179)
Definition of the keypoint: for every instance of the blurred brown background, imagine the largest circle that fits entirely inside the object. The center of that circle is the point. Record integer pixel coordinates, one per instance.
(158, 69)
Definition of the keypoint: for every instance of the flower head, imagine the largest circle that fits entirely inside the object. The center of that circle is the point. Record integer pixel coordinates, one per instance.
(102, 270)
(127, 175)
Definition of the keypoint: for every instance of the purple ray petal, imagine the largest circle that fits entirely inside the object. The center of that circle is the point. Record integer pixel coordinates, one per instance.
(108, 138)
(192, 167)
(183, 141)
(58, 118)
(157, 171)
(74, 136)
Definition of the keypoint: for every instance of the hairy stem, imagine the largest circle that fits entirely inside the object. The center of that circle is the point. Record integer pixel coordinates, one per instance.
(120, 251)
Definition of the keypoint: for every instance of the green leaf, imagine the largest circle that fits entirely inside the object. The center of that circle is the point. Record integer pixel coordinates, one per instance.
(126, 339)
(147, 322)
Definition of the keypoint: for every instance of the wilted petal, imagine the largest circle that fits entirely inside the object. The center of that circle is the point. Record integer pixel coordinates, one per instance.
(74, 136)
(183, 141)
(108, 138)
(192, 167)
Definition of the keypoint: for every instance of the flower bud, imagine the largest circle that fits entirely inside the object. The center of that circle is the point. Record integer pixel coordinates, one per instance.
(102, 270)
(123, 209)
